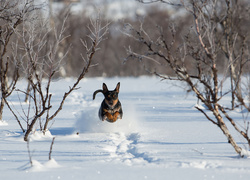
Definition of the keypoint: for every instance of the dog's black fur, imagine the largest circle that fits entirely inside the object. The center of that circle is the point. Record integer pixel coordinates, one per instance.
(111, 108)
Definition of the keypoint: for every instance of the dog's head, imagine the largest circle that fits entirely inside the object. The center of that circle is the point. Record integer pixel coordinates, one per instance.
(111, 97)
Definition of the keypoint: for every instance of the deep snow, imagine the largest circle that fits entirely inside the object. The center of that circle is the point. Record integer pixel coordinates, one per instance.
(161, 136)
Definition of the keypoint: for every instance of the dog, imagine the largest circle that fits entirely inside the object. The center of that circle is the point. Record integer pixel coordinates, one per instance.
(111, 108)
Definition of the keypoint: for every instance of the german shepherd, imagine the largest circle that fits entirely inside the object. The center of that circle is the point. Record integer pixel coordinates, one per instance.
(111, 108)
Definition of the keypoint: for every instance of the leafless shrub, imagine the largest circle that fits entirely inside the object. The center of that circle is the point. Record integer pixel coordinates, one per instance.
(41, 60)
(217, 34)
(12, 15)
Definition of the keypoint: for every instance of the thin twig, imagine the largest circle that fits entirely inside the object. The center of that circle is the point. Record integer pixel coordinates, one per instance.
(51, 146)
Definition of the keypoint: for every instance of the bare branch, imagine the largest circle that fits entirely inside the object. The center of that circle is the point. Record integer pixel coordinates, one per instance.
(51, 146)
(162, 1)
(205, 114)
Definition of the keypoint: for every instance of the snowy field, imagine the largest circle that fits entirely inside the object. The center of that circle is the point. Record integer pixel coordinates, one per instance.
(161, 136)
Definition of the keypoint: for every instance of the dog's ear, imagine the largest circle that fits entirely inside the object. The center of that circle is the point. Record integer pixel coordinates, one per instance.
(105, 88)
(117, 87)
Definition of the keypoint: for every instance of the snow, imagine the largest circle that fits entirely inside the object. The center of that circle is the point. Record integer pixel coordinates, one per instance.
(3, 123)
(161, 136)
(37, 166)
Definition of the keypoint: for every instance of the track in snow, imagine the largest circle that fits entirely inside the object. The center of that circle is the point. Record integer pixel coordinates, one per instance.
(122, 138)
(124, 148)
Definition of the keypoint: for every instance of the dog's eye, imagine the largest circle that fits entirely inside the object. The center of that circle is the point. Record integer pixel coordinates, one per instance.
(114, 96)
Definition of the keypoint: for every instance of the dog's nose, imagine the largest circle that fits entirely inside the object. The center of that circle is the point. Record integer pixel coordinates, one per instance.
(111, 102)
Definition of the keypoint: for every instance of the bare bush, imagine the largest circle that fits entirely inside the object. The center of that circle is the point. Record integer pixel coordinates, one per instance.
(217, 34)
(40, 46)
(12, 15)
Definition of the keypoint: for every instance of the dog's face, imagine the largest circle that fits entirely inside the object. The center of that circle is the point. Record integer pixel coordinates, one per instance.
(111, 97)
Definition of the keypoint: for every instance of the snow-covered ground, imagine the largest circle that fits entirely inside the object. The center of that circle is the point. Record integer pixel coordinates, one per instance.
(161, 136)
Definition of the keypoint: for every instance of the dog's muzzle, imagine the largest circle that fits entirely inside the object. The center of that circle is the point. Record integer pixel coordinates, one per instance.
(111, 103)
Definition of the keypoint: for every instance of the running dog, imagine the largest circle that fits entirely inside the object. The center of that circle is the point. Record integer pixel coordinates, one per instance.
(111, 108)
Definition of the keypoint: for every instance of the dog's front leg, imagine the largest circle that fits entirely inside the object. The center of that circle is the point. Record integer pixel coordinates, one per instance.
(107, 116)
(111, 118)
(116, 116)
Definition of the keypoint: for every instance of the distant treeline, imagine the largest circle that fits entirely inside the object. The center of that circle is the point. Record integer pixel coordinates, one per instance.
(111, 59)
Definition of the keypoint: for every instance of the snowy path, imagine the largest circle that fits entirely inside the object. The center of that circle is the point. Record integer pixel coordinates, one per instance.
(124, 149)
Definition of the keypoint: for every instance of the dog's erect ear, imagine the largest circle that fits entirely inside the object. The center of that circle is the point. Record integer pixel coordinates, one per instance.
(117, 87)
(105, 88)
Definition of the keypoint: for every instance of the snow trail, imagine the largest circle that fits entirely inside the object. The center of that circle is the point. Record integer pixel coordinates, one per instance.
(124, 148)
(122, 137)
